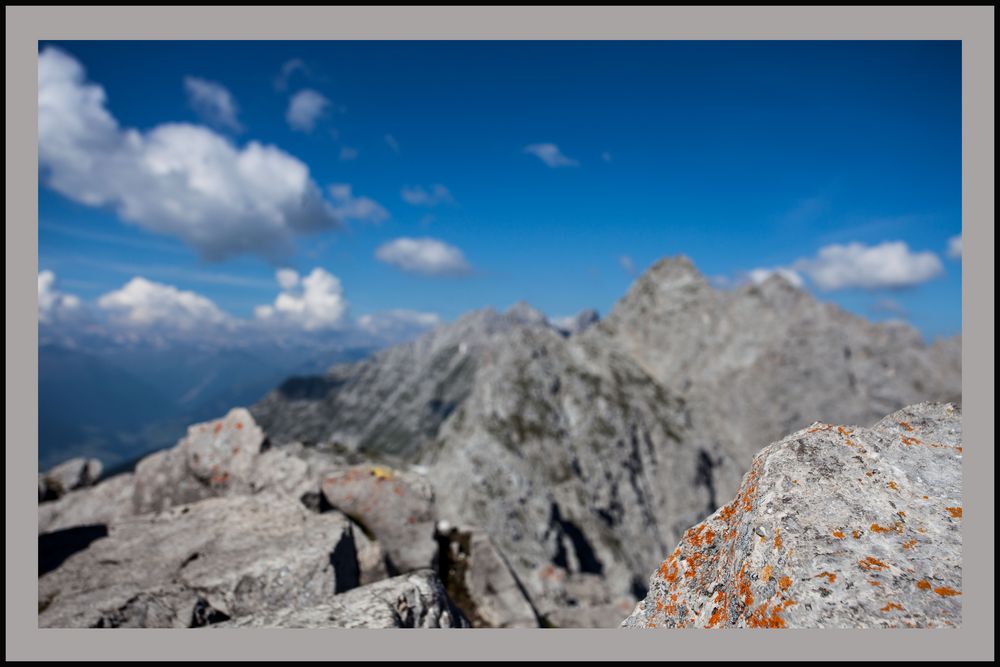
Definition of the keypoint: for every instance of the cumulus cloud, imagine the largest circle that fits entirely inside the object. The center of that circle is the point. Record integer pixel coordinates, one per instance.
(955, 247)
(175, 179)
(855, 265)
(757, 276)
(349, 207)
(54, 305)
(146, 305)
(313, 303)
(550, 155)
(305, 109)
(420, 196)
(213, 102)
(425, 256)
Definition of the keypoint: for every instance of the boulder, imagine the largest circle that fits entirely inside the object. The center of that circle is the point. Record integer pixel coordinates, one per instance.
(202, 563)
(215, 458)
(832, 527)
(392, 506)
(68, 476)
(104, 503)
(413, 600)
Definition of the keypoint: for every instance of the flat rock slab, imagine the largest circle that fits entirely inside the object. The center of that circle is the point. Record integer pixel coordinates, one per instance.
(67, 476)
(395, 507)
(196, 564)
(104, 503)
(833, 527)
(414, 600)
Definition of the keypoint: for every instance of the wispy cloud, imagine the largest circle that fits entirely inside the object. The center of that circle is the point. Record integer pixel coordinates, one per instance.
(347, 206)
(391, 142)
(432, 196)
(550, 155)
(213, 102)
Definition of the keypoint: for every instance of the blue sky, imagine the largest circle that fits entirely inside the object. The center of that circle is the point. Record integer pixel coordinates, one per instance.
(482, 173)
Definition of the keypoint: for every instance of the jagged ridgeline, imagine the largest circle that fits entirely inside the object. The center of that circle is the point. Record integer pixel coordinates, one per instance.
(586, 452)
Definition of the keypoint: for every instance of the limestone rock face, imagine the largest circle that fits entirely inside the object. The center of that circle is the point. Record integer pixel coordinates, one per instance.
(395, 507)
(413, 600)
(832, 527)
(68, 476)
(202, 563)
(760, 361)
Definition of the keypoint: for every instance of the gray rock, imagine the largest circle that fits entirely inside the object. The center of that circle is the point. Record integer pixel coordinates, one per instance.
(480, 582)
(392, 506)
(215, 458)
(104, 503)
(204, 562)
(763, 360)
(414, 600)
(68, 476)
(866, 526)
(578, 323)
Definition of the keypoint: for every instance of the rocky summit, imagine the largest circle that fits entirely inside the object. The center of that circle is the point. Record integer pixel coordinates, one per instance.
(832, 527)
(503, 470)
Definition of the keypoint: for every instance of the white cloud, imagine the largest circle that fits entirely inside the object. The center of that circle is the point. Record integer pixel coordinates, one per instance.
(550, 155)
(54, 305)
(955, 247)
(392, 143)
(305, 109)
(397, 324)
(213, 102)
(347, 153)
(348, 207)
(757, 276)
(627, 264)
(887, 265)
(419, 196)
(426, 256)
(315, 302)
(163, 309)
(176, 179)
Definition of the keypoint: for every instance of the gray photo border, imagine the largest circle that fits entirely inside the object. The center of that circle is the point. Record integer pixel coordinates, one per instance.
(972, 25)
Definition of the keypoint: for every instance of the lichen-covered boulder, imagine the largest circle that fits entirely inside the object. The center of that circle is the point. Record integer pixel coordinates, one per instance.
(393, 506)
(215, 458)
(202, 563)
(413, 600)
(67, 476)
(832, 527)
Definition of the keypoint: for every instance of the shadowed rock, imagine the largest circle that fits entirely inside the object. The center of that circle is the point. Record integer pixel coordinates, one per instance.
(832, 527)
(217, 558)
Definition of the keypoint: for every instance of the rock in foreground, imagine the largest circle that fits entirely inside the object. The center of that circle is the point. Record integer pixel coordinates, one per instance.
(833, 527)
(414, 600)
(68, 476)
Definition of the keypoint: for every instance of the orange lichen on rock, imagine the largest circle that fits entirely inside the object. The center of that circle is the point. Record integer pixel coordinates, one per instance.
(924, 585)
(765, 574)
(761, 619)
(946, 592)
(955, 512)
(892, 606)
(872, 563)
(856, 534)
(777, 538)
(892, 485)
(720, 614)
(874, 582)
(843, 431)
(218, 427)
(784, 583)
(910, 441)
(830, 576)
(895, 528)
(838, 534)
(909, 544)
(906, 426)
